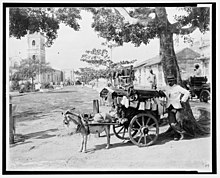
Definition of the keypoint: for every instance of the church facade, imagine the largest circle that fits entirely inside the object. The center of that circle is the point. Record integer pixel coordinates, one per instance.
(36, 50)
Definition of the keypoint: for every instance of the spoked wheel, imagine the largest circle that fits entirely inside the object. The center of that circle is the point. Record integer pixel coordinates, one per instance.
(204, 96)
(143, 129)
(121, 131)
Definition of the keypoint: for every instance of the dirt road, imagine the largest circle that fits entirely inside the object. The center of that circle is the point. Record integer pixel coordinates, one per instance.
(44, 143)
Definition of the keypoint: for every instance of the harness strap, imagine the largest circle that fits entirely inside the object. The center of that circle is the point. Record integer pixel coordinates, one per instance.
(86, 125)
(79, 127)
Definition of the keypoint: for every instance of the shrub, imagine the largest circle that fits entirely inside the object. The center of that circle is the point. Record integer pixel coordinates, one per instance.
(28, 86)
(46, 85)
(14, 85)
(25, 87)
(78, 82)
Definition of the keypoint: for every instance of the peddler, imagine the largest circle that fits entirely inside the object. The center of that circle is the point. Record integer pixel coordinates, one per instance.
(176, 95)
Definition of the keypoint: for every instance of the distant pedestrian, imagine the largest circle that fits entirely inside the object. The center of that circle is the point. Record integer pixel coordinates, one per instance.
(153, 80)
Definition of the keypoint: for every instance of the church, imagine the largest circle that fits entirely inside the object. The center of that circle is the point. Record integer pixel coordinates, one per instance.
(36, 50)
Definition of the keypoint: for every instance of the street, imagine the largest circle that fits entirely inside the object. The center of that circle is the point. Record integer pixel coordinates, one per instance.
(44, 143)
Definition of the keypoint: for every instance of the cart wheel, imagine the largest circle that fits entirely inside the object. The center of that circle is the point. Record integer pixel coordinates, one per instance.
(143, 129)
(121, 131)
(204, 96)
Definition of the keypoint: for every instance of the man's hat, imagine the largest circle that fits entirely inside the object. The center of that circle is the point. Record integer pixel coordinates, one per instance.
(171, 77)
(196, 65)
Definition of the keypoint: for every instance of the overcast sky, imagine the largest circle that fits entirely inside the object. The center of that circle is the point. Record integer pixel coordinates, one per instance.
(68, 48)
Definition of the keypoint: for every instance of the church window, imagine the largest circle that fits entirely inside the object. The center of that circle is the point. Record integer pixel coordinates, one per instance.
(33, 43)
(33, 57)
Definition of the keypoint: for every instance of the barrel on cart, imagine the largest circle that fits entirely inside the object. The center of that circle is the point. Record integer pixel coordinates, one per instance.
(139, 110)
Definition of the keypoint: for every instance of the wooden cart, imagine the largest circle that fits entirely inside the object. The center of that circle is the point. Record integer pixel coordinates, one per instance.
(141, 126)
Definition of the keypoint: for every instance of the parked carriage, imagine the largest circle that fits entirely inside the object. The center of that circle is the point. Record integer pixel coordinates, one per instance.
(198, 87)
(141, 110)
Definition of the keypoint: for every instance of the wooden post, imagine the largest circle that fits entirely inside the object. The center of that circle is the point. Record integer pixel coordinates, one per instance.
(96, 109)
(11, 123)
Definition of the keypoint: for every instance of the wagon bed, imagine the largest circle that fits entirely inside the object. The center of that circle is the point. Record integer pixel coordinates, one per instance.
(104, 123)
(142, 126)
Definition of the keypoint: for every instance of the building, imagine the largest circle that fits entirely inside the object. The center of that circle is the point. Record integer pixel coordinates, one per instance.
(36, 50)
(203, 47)
(36, 47)
(69, 76)
(55, 77)
(142, 71)
(186, 58)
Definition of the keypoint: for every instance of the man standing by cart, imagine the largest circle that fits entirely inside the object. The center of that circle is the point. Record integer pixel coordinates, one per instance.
(176, 95)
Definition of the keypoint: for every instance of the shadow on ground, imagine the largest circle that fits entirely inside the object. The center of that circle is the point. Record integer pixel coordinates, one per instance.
(61, 92)
(163, 138)
(112, 146)
(23, 116)
(41, 134)
(167, 137)
(22, 139)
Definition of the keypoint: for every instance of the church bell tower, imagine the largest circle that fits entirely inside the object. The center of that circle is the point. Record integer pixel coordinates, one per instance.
(36, 50)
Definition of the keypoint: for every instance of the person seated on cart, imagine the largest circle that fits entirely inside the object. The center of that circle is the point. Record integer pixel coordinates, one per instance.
(197, 71)
(175, 96)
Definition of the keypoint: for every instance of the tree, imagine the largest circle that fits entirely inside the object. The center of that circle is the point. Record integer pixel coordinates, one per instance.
(30, 68)
(46, 20)
(88, 74)
(138, 26)
(143, 24)
(100, 57)
(97, 57)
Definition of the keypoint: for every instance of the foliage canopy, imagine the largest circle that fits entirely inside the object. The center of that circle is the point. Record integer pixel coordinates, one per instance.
(108, 22)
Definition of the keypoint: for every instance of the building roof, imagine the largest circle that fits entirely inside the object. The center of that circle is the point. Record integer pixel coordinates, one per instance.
(185, 53)
(149, 62)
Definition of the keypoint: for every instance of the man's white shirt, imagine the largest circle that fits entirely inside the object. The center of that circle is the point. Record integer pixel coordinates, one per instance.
(173, 94)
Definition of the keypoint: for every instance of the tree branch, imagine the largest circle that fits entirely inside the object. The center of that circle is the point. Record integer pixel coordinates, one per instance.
(143, 20)
(125, 14)
(178, 29)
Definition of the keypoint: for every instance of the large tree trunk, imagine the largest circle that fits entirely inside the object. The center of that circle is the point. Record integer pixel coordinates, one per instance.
(170, 67)
(168, 57)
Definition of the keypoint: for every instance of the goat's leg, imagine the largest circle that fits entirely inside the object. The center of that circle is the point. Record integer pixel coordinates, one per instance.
(82, 143)
(107, 131)
(85, 143)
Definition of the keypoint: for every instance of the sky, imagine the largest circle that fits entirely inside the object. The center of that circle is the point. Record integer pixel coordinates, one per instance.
(70, 45)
